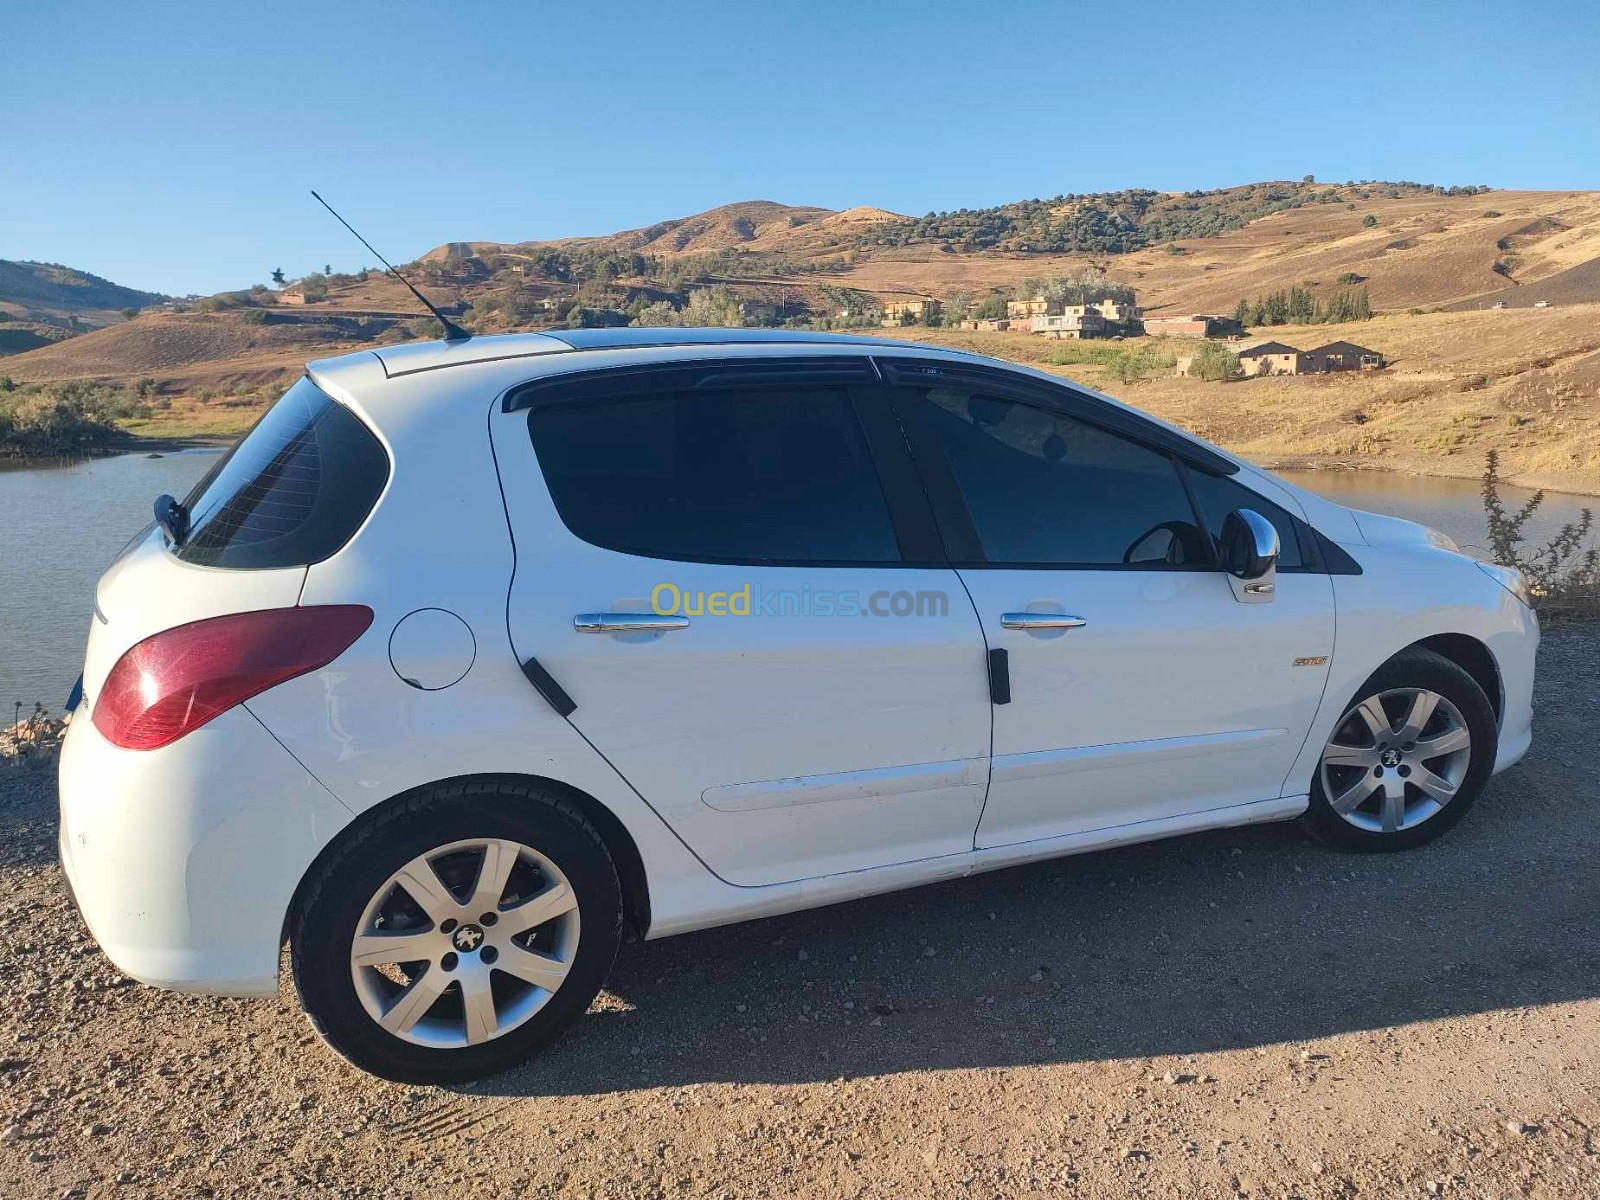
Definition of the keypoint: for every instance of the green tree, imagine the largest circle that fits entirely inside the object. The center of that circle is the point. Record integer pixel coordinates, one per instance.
(1369, 220)
(715, 306)
(277, 276)
(1214, 362)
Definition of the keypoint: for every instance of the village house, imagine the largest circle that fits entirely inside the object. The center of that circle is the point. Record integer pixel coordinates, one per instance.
(291, 296)
(1344, 356)
(909, 312)
(1272, 358)
(1196, 325)
(1075, 322)
(1026, 310)
(1279, 358)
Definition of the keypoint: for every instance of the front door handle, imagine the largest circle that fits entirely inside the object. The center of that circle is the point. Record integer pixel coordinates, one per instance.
(608, 622)
(1035, 620)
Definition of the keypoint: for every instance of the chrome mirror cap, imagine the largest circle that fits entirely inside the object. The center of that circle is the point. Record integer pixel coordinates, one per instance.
(1249, 550)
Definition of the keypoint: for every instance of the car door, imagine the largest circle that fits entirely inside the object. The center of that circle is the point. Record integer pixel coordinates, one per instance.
(1139, 686)
(731, 572)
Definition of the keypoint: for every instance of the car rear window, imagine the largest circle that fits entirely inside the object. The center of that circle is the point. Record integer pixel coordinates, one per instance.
(291, 492)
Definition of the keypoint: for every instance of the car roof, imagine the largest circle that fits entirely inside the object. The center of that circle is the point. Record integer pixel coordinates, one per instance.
(430, 356)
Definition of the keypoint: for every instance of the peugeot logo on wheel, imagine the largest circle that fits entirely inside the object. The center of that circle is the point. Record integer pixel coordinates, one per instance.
(1389, 758)
(467, 938)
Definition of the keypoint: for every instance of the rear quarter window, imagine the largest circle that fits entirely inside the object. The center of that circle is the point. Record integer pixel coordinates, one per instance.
(291, 492)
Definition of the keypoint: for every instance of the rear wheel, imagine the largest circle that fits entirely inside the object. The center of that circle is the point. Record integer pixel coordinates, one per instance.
(457, 933)
(1408, 757)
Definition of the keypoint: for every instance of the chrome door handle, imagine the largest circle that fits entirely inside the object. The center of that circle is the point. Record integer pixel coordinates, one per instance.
(1033, 620)
(604, 622)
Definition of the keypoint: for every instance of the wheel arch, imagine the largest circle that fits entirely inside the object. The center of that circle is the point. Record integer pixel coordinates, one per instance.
(1473, 657)
(619, 842)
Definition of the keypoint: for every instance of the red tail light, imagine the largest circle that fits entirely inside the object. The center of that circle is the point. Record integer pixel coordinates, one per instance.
(175, 681)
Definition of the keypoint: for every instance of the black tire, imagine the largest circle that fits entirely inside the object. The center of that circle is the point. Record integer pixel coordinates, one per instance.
(342, 884)
(1415, 668)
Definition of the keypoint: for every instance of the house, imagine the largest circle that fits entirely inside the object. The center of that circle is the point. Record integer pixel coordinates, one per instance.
(1195, 325)
(1272, 358)
(909, 312)
(1075, 322)
(291, 296)
(1026, 310)
(1343, 356)
(1117, 313)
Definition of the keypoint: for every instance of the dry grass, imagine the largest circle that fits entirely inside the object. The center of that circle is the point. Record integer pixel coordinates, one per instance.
(1525, 382)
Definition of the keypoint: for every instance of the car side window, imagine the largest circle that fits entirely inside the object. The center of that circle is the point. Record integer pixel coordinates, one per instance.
(764, 474)
(1218, 496)
(1047, 489)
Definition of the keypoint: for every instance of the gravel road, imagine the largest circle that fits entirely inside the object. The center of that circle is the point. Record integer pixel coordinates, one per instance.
(1239, 1014)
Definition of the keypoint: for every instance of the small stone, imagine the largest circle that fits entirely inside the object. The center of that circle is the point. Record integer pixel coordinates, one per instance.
(1177, 1077)
(1521, 1128)
(928, 952)
(96, 1129)
(1135, 1155)
(127, 1176)
(13, 1132)
(1309, 1056)
(1036, 977)
(740, 1007)
(802, 956)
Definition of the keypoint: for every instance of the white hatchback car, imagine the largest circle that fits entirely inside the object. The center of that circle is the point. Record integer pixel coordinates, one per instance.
(470, 653)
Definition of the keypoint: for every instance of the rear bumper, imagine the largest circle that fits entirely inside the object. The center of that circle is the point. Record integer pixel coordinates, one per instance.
(183, 860)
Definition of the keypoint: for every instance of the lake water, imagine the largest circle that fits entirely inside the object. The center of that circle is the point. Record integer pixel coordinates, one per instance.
(62, 523)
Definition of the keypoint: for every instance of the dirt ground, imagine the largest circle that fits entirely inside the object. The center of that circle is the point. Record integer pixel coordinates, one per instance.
(1239, 1014)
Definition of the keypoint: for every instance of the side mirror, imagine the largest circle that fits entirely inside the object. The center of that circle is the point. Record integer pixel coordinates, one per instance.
(1250, 553)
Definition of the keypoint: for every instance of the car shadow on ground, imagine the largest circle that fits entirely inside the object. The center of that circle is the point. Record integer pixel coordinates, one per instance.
(1230, 939)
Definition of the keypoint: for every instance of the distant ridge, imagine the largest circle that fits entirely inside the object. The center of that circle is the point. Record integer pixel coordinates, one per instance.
(54, 294)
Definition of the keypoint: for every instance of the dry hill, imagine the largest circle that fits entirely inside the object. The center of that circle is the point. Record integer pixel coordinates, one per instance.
(1527, 380)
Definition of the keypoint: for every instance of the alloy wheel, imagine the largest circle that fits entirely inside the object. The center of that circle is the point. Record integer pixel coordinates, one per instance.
(465, 943)
(1396, 759)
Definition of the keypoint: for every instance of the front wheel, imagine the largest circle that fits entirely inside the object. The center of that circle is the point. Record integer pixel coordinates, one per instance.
(1407, 759)
(456, 933)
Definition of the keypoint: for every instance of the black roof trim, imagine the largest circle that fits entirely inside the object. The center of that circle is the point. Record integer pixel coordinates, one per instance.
(707, 373)
(642, 337)
(912, 372)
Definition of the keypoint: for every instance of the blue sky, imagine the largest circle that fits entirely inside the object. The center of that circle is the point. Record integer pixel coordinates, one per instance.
(171, 146)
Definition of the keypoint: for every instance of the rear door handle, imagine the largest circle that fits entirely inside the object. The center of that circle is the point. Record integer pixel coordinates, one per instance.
(604, 622)
(1033, 620)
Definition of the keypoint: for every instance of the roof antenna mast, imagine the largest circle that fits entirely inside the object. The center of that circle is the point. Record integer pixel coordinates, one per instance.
(452, 331)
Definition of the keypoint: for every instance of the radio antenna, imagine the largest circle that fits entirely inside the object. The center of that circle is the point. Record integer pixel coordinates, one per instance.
(452, 331)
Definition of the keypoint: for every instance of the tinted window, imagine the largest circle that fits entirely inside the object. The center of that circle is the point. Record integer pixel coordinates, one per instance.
(762, 475)
(1218, 496)
(291, 491)
(1046, 488)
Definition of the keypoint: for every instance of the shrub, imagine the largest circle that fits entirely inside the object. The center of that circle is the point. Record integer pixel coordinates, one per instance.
(1369, 220)
(1214, 362)
(255, 316)
(1563, 574)
(60, 419)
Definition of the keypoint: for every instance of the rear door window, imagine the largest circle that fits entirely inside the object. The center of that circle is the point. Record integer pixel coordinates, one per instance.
(291, 492)
(753, 474)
